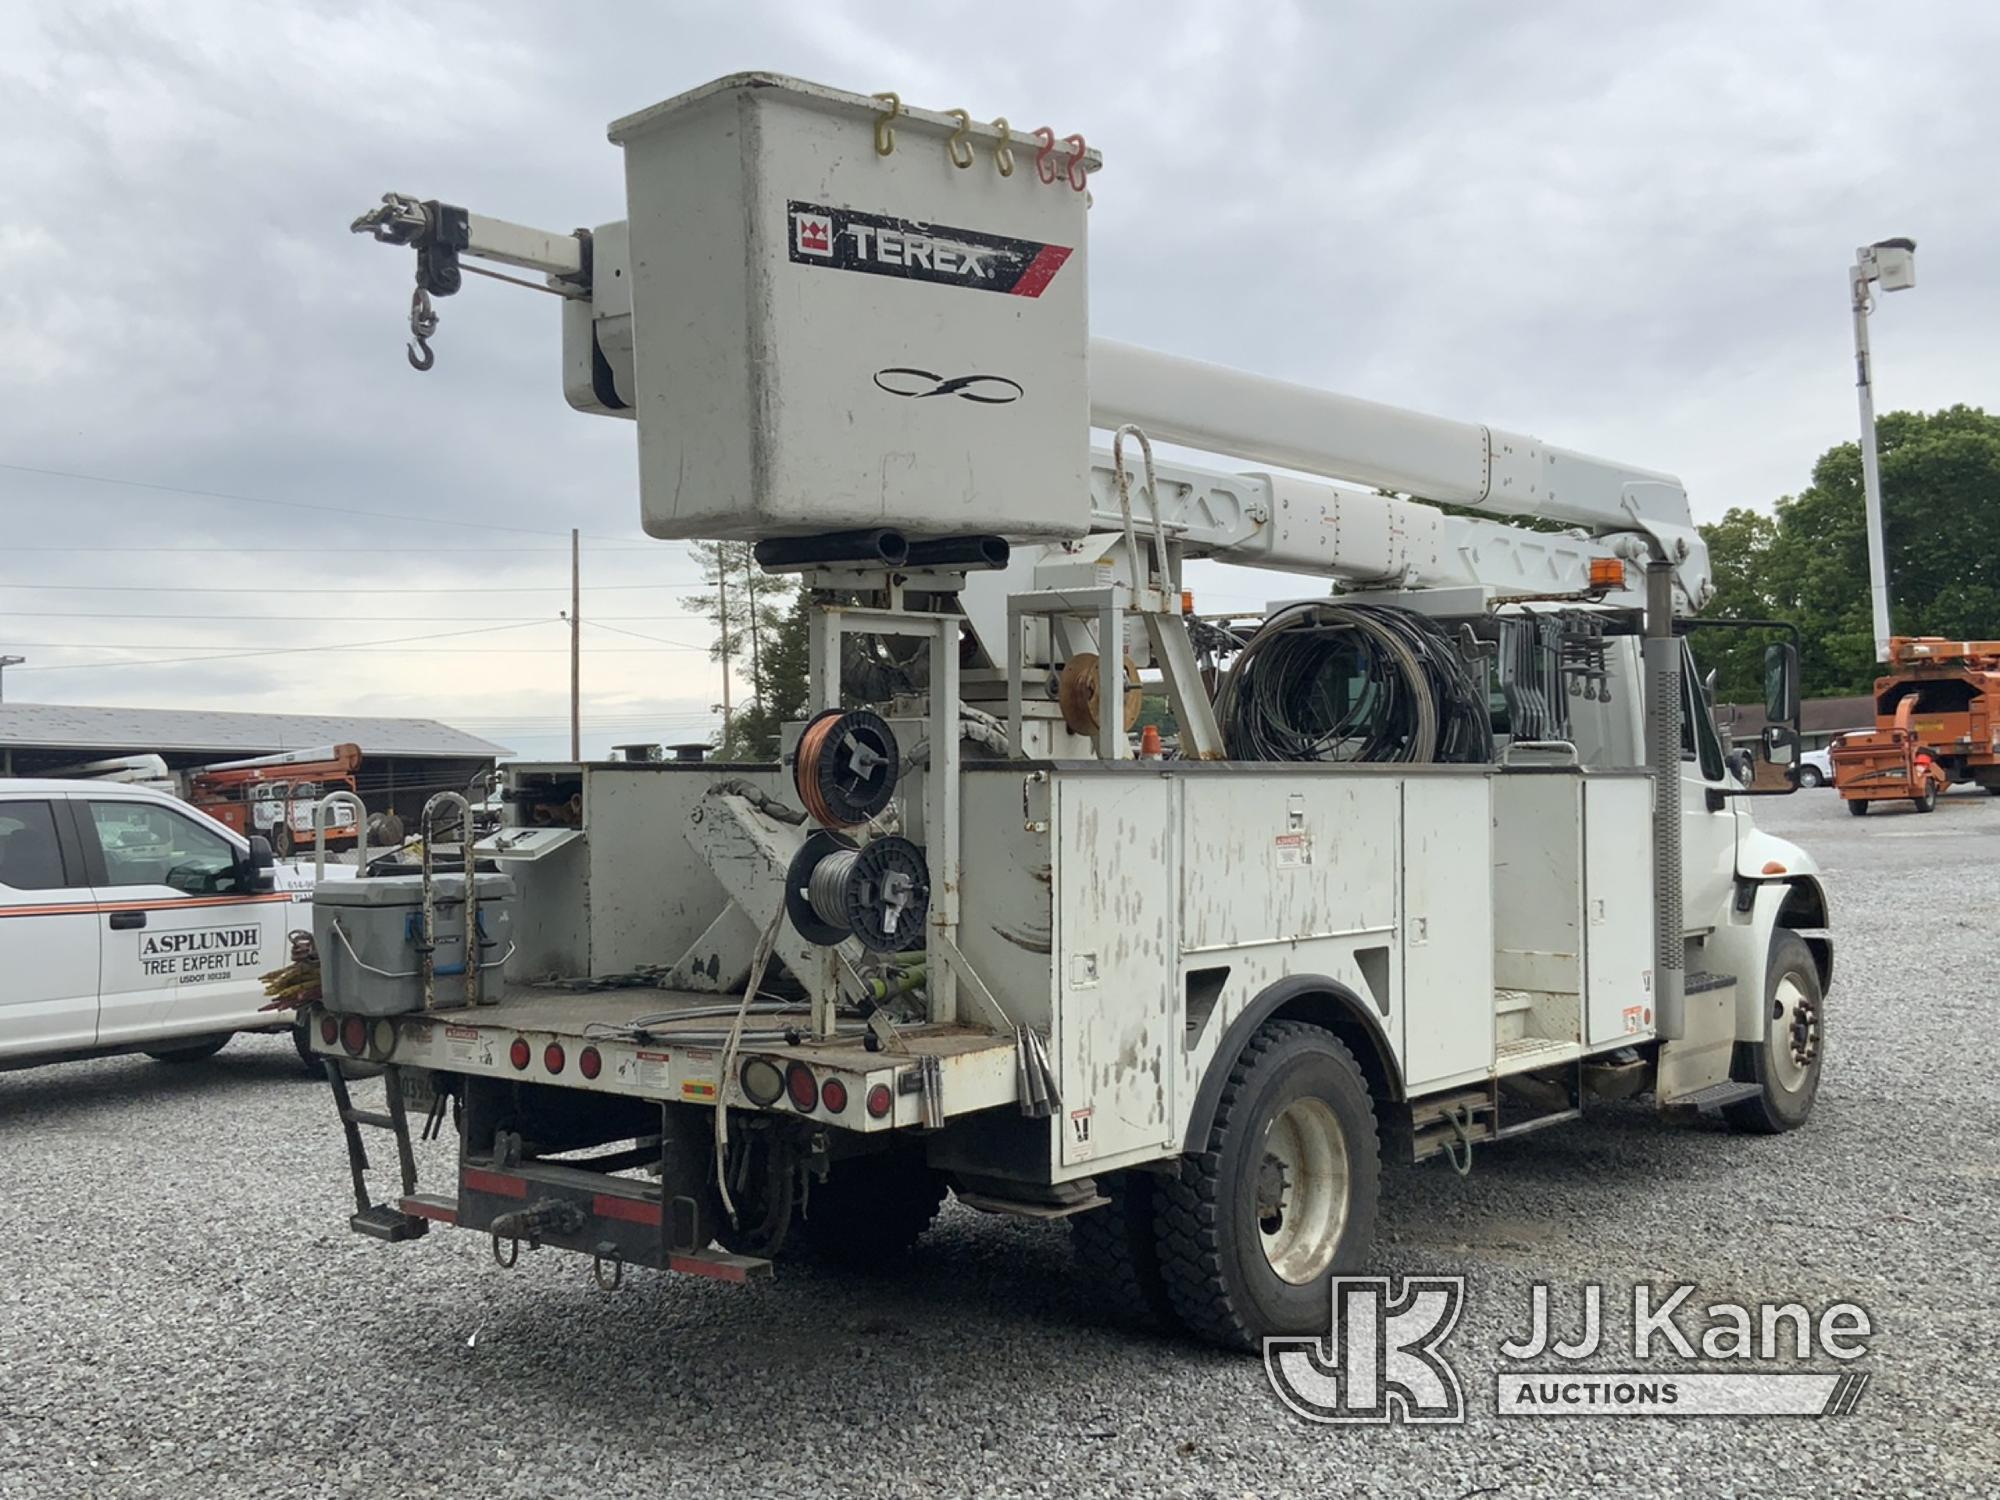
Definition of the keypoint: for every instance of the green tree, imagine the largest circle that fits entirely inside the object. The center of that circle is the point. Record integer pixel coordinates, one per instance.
(1941, 528)
(1739, 547)
(783, 681)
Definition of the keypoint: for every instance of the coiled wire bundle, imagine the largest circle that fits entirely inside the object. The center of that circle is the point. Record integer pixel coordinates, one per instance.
(1353, 682)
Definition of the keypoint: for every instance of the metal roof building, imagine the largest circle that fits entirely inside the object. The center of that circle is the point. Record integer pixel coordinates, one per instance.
(403, 760)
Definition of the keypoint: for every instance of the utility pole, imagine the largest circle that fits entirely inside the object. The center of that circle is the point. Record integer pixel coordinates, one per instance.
(1892, 265)
(575, 646)
(722, 618)
(5, 663)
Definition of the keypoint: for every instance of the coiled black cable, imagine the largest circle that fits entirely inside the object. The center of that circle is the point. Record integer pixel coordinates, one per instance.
(1353, 682)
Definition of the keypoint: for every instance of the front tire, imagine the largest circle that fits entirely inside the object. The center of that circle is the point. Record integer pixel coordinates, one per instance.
(1281, 1199)
(1786, 1063)
(1809, 777)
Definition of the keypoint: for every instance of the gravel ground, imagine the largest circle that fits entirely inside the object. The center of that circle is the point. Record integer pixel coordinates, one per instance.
(183, 1310)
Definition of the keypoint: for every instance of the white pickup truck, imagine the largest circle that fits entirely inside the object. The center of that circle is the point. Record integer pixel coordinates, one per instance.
(130, 922)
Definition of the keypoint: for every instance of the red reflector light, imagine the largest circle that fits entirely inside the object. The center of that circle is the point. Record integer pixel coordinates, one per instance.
(801, 1085)
(833, 1094)
(880, 1101)
(329, 1030)
(590, 1061)
(518, 1054)
(553, 1057)
(354, 1036)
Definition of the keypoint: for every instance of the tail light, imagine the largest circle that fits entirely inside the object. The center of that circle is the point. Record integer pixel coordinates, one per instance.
(761, 1080)
(880, 1102)
(589, 1062)
(354, 1036)
(329, 1030)
(833, 1094)
(803, 1087)
(553, 1057)
(518, 1054)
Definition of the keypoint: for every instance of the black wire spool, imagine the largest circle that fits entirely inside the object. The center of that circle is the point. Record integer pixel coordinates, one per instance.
(1353, 682)
(846, 766)
(878, 895)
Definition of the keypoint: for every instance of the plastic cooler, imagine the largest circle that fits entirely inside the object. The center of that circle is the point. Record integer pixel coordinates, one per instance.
(367, 933)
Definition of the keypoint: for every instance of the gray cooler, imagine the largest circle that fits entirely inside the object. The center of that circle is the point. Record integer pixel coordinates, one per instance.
(367, 931)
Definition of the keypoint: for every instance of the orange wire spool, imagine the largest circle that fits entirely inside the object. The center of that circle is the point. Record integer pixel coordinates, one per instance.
(846, 767)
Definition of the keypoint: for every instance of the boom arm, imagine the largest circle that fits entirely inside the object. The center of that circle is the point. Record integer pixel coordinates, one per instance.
(1359, 536)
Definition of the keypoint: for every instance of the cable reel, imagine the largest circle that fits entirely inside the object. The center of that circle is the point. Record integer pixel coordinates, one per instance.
(878, 894)
(846, 766)
(1078, 690)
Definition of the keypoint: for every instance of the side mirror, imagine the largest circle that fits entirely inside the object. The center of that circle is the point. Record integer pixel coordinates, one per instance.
(1780, 744)
(1781, 683)
(1708, 685)
(254, 868)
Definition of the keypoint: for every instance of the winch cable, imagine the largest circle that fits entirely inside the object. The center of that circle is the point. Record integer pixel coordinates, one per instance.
(1324, 681)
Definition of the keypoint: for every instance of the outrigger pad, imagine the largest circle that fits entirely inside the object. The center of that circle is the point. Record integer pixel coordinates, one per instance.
(385, 1223)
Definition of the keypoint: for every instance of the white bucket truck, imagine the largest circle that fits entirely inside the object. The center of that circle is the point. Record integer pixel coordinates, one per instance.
(1448, 856)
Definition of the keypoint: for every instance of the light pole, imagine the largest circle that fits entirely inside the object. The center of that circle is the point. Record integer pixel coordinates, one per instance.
(5, 663)
(1891, 264)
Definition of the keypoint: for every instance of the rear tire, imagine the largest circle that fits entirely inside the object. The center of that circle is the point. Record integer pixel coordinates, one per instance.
(1809, 777)
(199, 1051)
(1786, 1063)
(1117, 1251)
(1281, 1199)
(872, 1210)
(1858, 807)
(1927, 802)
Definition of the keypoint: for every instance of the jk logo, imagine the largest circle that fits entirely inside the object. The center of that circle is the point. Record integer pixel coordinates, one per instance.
(1381, 1362)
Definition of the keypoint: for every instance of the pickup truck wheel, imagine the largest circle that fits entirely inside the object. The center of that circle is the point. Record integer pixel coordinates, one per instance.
(1858, 807)
(872, 1210)
(1786, 1064)
(1117, 1250)
(1281, 1199)
(207, 1047)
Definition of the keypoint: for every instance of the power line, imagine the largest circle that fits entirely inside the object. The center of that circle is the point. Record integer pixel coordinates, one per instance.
(163, 661)
(237, 499)
(291, 588)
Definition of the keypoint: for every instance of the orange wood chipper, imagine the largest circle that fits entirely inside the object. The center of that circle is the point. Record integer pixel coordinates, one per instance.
(1937, 722)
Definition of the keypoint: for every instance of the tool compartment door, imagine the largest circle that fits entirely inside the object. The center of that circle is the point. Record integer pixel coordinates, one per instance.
(1617, 909)
(1115, 952)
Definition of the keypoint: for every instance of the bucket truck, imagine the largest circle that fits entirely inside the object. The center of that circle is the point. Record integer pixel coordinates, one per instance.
(1445, 857)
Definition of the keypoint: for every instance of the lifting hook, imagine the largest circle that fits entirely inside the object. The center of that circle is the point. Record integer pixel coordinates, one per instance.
(423, 325)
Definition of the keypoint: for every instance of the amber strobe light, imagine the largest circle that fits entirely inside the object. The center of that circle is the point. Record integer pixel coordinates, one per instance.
(1607, 573)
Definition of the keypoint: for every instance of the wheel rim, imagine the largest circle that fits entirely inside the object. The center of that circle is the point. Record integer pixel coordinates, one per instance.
(1794, 1033)
(1302, 1190)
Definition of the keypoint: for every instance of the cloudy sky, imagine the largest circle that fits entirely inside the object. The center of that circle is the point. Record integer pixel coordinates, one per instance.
(1624, 232)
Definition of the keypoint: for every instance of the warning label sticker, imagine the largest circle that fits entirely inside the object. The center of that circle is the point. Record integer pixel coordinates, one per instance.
(651, 1070)
(1081, 1145)
(846, 239)
(461, 1045)
(1294, 850)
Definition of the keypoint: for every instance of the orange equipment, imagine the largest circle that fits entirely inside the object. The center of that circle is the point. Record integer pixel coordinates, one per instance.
(274, 794)
(1937, 721)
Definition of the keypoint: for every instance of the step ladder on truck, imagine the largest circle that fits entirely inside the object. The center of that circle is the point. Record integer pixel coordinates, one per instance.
(1443, 858)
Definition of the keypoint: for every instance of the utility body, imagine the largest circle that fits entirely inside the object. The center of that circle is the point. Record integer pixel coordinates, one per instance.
(1448, 856)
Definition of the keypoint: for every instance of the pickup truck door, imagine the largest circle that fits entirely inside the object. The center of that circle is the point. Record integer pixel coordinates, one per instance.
(48, 931)
(183, 939)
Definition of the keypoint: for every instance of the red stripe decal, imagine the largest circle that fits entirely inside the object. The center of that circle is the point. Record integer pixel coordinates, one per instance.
(1040, 271)
(479, 1180)
(431, 1208)
(91, 908)
(631, 1210)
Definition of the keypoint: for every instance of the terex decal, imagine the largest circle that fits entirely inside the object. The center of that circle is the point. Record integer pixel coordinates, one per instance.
(845, 239)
